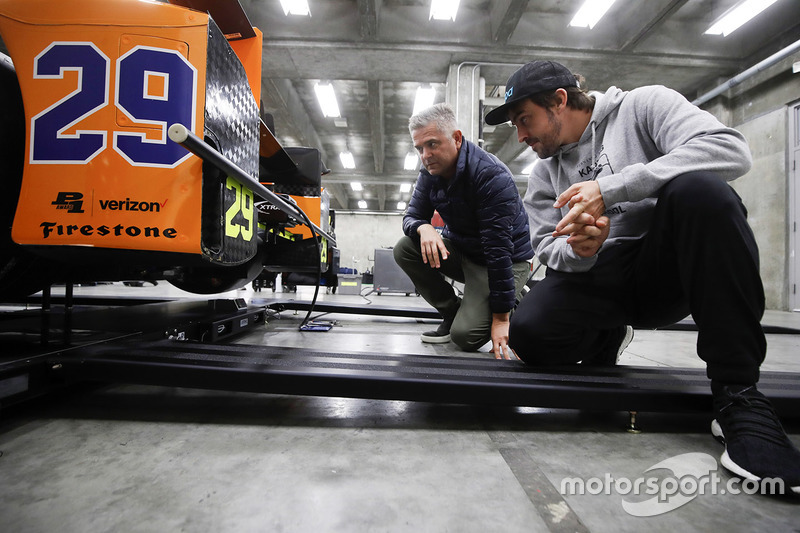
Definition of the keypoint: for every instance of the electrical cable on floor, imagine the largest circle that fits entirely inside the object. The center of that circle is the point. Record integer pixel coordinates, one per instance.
(364, 296)
(318, 242)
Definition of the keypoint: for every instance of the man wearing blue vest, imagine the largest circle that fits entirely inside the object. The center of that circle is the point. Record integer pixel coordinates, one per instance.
(485, 243)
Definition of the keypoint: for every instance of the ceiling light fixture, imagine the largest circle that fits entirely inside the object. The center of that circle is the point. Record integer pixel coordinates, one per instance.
(356, 186)
(737, 16)
(444, 10)
(295, 7)
(347, 159)
(590, 13)
(362, 204)
(327, 99)
(424, 98)
(405, 187)
(401, 205)
(411, 162)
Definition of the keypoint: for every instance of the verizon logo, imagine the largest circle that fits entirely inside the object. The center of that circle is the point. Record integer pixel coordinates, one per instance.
(131, 205)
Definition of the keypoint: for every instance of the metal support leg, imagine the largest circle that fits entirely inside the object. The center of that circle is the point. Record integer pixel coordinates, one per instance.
(632, 425)
(68, 302)
(44, 331)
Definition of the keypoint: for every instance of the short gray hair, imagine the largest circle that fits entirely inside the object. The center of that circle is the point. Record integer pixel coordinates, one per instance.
(441, 115)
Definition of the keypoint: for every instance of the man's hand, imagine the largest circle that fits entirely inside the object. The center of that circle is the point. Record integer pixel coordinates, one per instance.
(431, 245)
(584, 224)
(587, 241)
(583, 198)
(500, 348)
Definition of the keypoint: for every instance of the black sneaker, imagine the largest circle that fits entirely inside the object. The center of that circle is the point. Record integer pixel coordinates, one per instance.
(439, 336)
(756, 445)
(442, 334)
(618, 339)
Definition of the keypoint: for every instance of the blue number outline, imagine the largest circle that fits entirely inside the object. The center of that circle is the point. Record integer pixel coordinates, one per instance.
(164, 126)
(79, 89)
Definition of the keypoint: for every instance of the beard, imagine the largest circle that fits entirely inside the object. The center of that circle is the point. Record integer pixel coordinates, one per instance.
(549, 143)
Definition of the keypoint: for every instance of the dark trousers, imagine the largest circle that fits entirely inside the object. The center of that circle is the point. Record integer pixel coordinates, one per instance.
(472, 316)
(699, 257)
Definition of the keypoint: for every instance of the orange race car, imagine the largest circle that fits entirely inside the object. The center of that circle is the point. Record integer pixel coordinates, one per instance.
(95, 188)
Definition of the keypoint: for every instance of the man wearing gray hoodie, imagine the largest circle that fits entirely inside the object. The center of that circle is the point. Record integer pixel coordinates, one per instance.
(630, 211)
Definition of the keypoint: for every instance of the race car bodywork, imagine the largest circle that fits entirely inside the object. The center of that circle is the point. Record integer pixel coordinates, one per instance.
(97, 187)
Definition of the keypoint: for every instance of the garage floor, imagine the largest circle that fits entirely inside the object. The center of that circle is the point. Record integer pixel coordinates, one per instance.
(139, 458)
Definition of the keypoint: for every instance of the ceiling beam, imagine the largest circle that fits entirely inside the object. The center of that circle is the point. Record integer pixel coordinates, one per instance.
(366, 178)
(386, 61)
(504, 17)
(652, 25)
(368, 18)
(375, 106)
(337, 190)
(381, 189)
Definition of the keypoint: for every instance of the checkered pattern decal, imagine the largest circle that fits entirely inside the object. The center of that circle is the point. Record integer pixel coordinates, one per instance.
(231, 124)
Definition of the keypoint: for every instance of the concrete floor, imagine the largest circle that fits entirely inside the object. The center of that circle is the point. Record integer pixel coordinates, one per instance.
(136, 458)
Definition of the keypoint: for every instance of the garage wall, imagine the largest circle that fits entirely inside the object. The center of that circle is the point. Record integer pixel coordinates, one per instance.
(764, 191)
(759, 109)
(358, 234)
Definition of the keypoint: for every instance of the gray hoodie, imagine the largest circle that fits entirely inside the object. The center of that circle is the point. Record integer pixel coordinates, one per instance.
(635, 143)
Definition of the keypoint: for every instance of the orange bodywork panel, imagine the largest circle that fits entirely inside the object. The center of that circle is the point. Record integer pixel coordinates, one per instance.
(101, 82)
(249, 51)
(310, 205)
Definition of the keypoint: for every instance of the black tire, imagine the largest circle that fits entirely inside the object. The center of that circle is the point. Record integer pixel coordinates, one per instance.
(21, 273)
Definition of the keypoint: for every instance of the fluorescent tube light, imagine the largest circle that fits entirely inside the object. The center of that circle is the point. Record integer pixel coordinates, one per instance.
(411, 162)
(405, 187)
(356, 186)
(295, 7)
(327, 99)
(424, 98)
(444, 10)
(590, 13)
(347, 160)
(401, 205)
(737, 16)
(362, 204)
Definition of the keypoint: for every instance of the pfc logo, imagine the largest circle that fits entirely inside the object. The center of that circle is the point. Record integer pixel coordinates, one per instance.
(72, 202)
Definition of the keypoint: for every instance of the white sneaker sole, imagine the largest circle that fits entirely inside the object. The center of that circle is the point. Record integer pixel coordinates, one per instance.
(438, 339)
(726, 461)
(626, 340)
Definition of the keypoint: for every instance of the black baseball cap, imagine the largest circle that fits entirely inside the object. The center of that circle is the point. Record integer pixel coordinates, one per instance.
(535, 77)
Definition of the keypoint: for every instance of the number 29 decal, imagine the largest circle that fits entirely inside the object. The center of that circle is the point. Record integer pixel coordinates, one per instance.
(243, 205)
(173, 102)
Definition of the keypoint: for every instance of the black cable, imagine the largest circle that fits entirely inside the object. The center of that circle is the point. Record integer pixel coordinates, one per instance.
(318, 242)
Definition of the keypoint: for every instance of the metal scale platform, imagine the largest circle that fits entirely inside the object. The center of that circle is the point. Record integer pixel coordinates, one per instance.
(160, 344)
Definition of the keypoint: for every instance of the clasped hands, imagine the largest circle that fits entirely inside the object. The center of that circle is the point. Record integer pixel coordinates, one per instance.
(585, 226)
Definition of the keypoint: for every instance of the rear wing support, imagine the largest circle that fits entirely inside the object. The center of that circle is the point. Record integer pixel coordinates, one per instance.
(180, 134)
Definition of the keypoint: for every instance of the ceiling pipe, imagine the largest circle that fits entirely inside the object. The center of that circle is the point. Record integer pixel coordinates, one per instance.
(476, 65)
(755, 69)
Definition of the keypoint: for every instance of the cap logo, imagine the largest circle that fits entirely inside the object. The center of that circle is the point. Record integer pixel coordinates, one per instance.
(509, 93)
